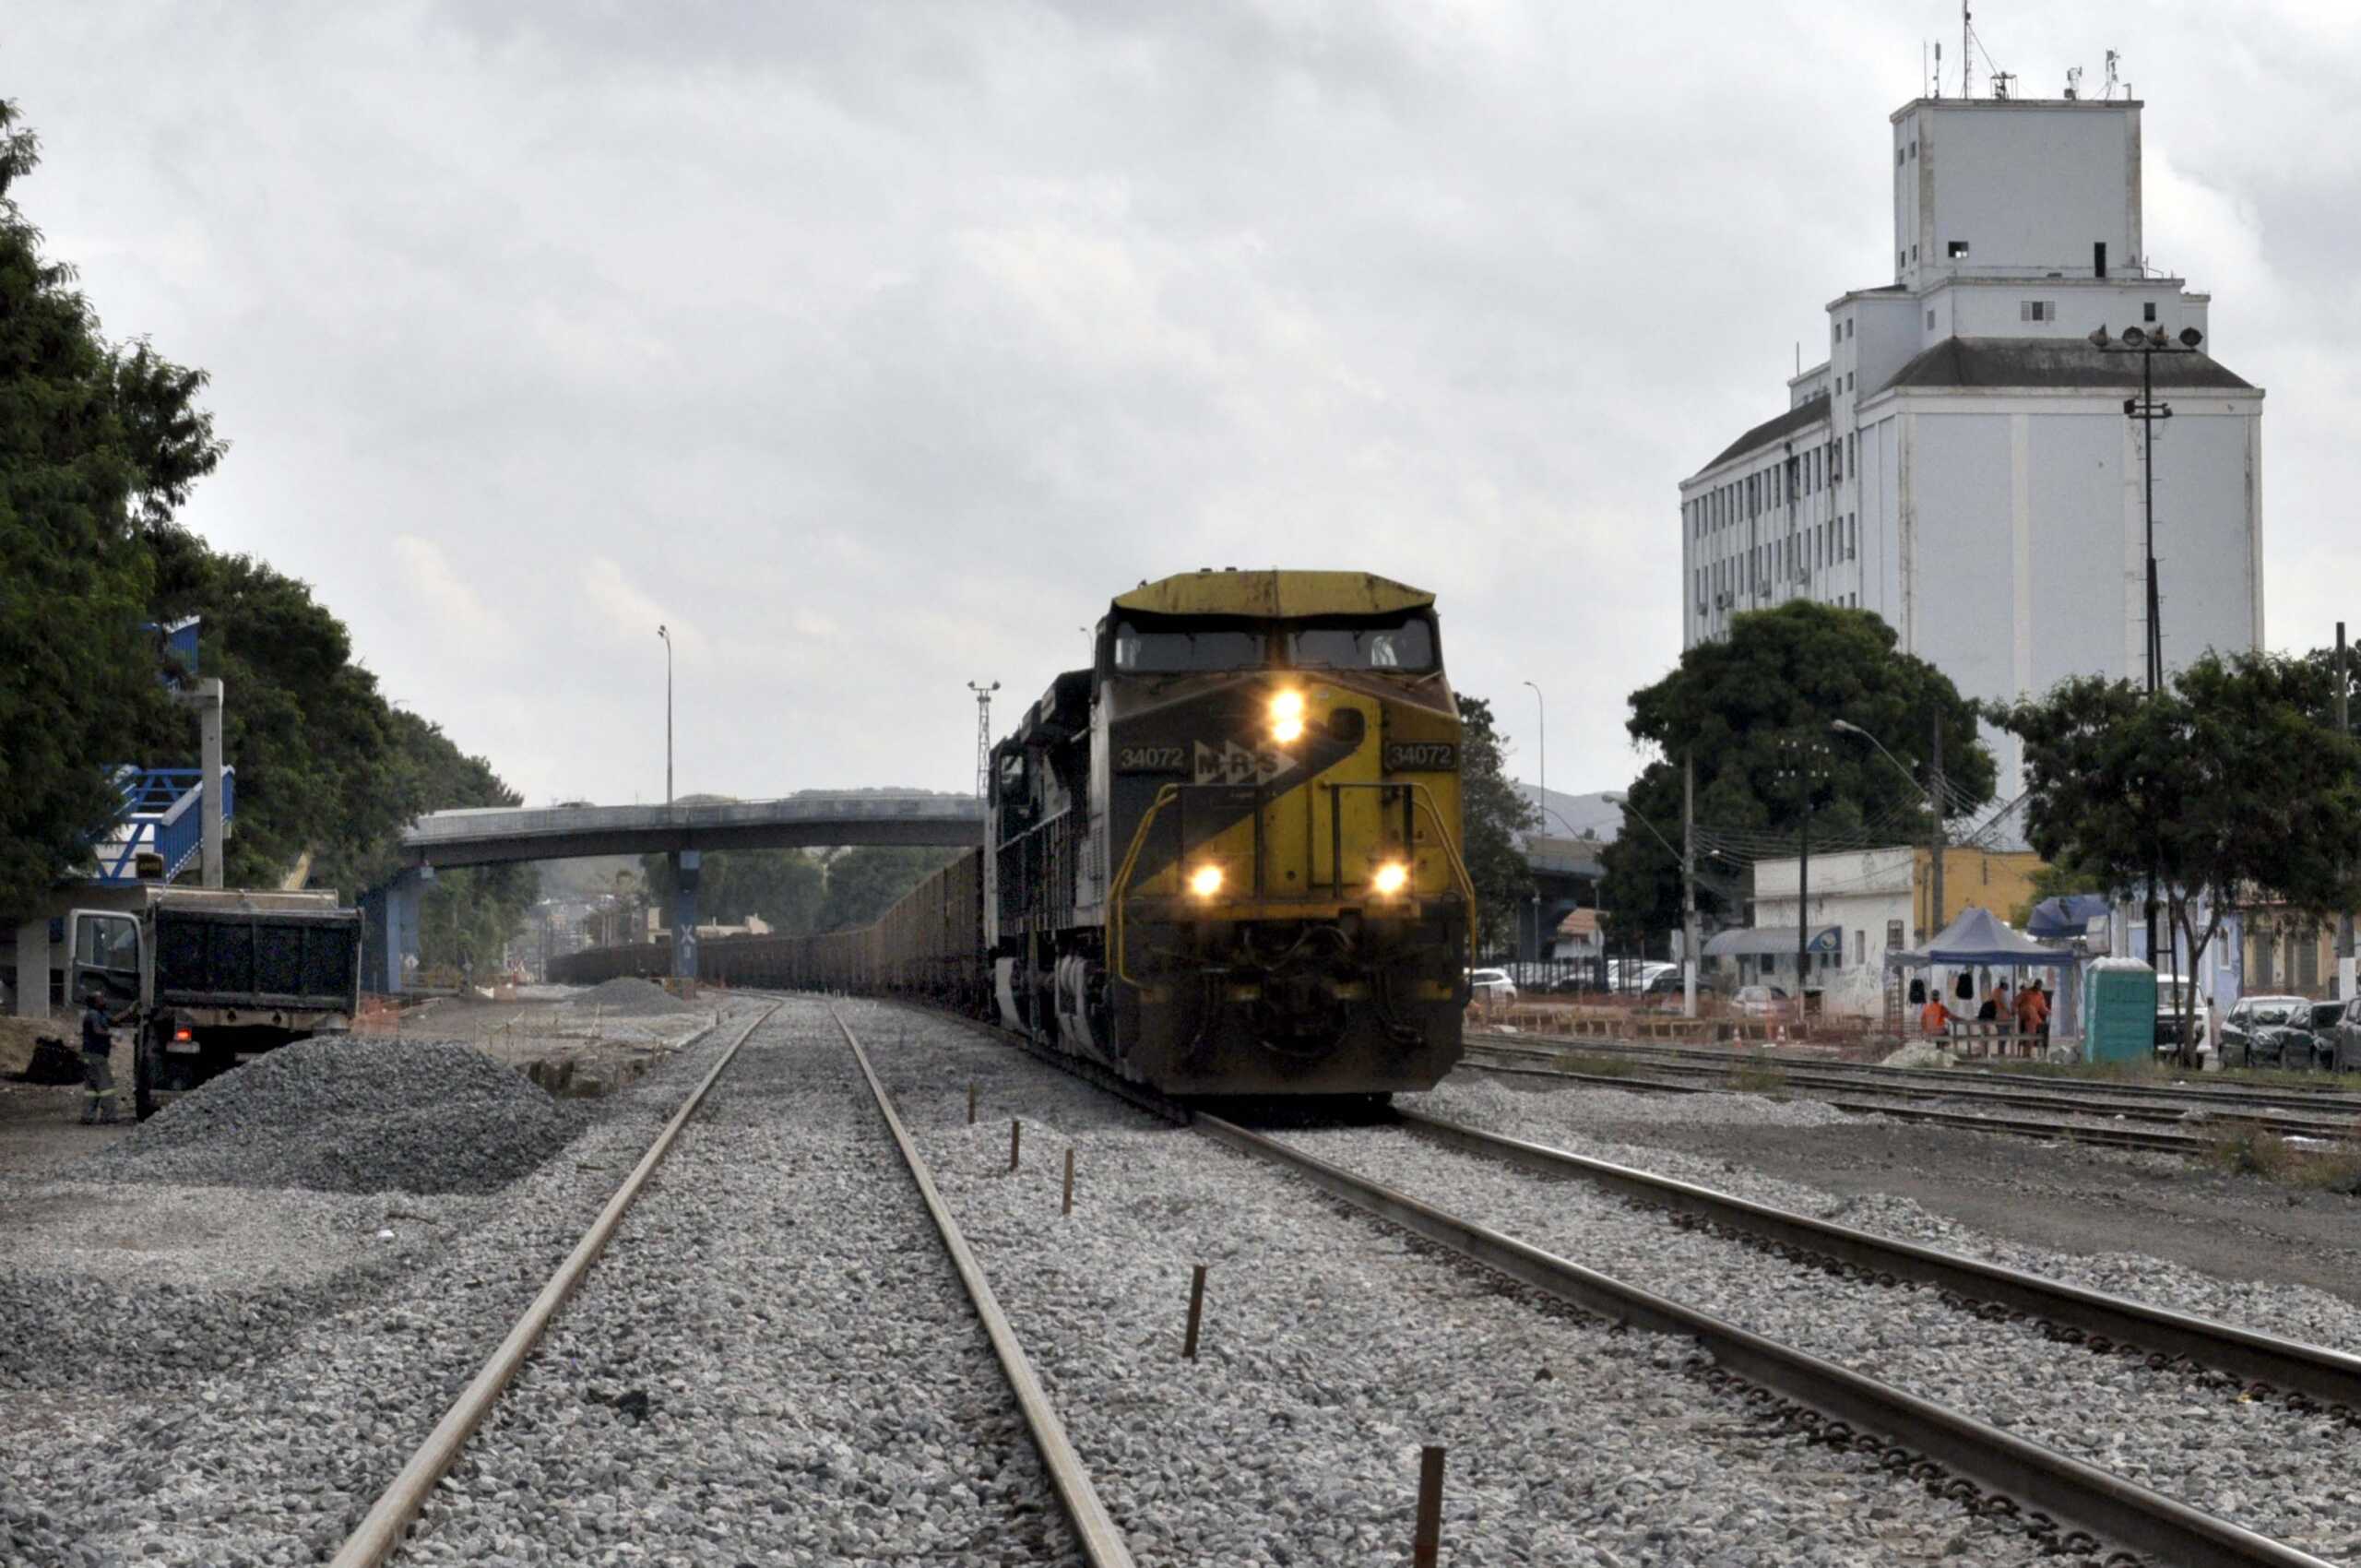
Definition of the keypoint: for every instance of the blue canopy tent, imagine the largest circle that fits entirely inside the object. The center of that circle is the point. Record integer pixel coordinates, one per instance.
(1977, 940)
(2069, 915)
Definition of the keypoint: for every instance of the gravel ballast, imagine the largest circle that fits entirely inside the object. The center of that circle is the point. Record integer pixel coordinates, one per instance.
(349, 1114)
(2282, 1474)
(265, 1441)
(773, 1362)
(1571, 1119)
(1333, 1349)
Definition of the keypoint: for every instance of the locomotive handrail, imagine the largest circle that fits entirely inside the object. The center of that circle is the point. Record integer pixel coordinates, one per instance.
(1121, 890)
(1458, 866)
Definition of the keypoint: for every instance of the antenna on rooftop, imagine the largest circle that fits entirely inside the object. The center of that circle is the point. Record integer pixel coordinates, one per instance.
(2073, 83)
(2113, 59)
(1939, 70)
(1966, 52)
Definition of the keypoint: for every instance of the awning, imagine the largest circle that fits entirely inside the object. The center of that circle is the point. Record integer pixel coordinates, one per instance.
(1770, 941)
(1978, 940)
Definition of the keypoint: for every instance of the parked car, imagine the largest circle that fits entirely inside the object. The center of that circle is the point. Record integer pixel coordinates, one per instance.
(2273, 1031)
(2343, 1041)
(2322, 1029)
(1491, 985)
(1759, 1001)
(2169, 990)
(1667, 983)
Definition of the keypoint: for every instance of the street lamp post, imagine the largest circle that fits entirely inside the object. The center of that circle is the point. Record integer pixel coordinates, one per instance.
(667, 636)
(2147, 411)
(1934, 793)
(1687, 856)
(1541, 705)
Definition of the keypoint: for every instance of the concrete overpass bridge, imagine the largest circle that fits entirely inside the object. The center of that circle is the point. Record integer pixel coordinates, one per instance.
(684, 831)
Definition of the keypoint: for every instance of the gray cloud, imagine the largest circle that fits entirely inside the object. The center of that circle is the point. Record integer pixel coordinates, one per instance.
(874, 346)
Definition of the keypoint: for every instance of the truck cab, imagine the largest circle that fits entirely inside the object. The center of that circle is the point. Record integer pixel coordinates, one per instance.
(210, 978)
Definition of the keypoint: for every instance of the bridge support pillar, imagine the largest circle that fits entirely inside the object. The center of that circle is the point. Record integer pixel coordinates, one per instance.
(32, 969)
(402, 896)
(684, 913)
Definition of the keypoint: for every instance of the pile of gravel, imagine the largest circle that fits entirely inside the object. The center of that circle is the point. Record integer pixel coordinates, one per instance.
(628, 996)
(348, 1115)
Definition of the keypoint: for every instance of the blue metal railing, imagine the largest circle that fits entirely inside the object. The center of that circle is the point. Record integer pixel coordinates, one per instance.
(163, 815)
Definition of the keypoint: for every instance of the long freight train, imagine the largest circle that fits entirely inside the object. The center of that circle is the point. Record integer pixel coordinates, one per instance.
(1224, 860)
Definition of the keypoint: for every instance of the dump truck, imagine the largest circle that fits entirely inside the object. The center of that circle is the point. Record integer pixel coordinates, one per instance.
(209, 979)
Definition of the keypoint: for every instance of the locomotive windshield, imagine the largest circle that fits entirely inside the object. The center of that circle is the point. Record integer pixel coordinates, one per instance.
(1400, 642)
(1170, 647)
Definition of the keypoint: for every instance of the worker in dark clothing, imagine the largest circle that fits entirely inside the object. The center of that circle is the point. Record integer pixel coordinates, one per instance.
(98, 1064)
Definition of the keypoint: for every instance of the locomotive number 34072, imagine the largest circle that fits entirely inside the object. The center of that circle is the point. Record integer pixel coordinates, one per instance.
(1151, 760)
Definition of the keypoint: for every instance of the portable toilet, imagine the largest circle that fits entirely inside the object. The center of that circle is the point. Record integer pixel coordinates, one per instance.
(2119, 1011)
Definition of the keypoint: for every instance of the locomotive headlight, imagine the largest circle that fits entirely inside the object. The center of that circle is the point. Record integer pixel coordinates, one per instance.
(1390, 879)
(1205, 880)
(1287, 717)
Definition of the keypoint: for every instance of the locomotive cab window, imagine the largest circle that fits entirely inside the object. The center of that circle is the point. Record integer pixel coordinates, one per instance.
(1399, 642)
(1176, 648)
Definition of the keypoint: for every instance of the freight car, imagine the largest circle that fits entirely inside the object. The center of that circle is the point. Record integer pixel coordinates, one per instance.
(1224, 860)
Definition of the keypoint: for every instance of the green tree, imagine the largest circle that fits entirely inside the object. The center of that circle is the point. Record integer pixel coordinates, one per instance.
(865, 883)
(1492, 813)
(1730, 703)
(98, 444)
(2226, 782)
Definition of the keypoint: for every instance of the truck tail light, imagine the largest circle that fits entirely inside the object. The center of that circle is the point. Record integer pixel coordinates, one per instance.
(182, 1034)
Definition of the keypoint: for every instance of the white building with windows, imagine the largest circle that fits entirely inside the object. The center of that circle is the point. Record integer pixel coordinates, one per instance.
(1962, 463)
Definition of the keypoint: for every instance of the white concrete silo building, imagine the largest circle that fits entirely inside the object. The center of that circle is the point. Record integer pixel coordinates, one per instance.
(1962, 463)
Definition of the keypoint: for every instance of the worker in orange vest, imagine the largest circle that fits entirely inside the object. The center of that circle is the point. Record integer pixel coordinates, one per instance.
(1937, 1017)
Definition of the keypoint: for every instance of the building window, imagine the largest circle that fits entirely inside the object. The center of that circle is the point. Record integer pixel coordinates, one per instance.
(2037, 310)
(1897, 261)
(1848, 327)
(2148, 313)
(1913, 252)
(1959, 250)
(1930, 321)
(1897, 157)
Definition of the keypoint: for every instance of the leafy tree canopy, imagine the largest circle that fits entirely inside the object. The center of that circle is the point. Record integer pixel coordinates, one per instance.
(1492, 813)
(98, 444)
(1731, 704)
(2227, 783)
(865, 883)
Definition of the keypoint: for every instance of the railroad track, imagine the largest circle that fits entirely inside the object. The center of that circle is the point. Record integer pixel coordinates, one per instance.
(2333, 1107)
(2066, 1503)
(1826, 1090)
(549, 1439)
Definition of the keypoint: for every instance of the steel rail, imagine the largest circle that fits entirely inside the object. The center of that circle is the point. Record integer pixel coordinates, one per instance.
(1102, 1543)
(2329, 1377)
(2069, 1490)
(382, 1530)
(2065, 1131)
(2323, 1100)
(1807, 1075)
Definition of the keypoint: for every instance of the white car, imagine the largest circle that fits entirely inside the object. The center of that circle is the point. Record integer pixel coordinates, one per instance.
(1490, 985)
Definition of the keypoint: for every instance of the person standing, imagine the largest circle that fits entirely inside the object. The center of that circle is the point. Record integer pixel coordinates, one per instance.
(98, 1060)
(2033, 1010)
(1936, 1018)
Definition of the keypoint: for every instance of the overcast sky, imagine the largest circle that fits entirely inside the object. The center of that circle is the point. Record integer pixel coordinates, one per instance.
(874, 347)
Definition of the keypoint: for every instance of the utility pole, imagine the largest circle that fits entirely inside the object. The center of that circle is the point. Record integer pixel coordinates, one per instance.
(1688, 954)
(1807, 760)
(1935, 798)
(2344, 962)
(2147, 411)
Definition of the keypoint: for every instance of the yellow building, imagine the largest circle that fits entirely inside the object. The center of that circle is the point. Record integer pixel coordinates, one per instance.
(1999, 880)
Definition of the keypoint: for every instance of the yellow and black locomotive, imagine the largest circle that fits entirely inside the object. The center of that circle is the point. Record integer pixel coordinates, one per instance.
(1225, 859)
